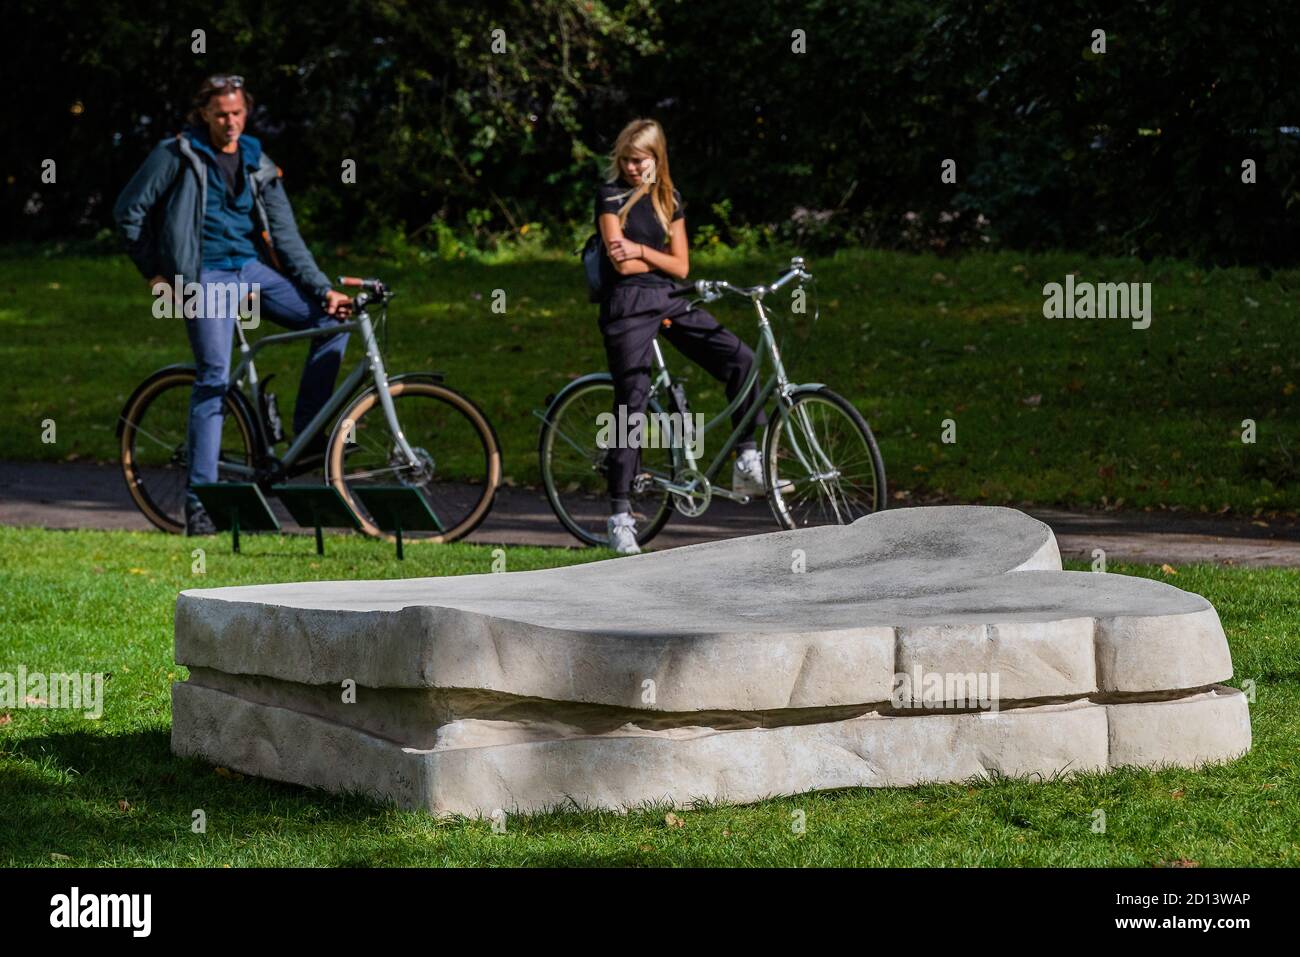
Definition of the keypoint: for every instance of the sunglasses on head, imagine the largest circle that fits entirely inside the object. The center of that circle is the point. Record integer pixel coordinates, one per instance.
(234, 81)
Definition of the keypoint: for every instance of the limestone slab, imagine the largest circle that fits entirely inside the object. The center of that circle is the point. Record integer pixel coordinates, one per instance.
(729, 625)
(729, 671)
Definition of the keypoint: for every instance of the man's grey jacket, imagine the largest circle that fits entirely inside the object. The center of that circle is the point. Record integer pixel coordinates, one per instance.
(160, 215)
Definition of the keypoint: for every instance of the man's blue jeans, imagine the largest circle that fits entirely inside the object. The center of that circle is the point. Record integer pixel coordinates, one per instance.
(211, 337)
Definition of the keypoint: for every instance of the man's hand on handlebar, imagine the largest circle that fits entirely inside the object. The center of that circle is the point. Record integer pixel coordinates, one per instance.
(338, 305)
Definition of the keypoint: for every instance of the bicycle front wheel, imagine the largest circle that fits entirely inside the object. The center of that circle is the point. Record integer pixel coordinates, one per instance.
(821, 463)
(574, 465)
(459, 458)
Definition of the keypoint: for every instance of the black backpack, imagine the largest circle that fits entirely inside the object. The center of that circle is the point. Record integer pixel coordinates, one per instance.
(592, 253)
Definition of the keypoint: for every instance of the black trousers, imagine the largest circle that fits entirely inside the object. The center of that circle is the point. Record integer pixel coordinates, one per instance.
(629, 321)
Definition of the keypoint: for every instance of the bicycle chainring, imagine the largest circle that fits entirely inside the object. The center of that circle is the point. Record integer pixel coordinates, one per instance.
(695, 503)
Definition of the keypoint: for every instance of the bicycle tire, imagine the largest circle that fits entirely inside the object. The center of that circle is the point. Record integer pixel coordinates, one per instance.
(142, 482)
(546, 439)
(367, 401)
(776, 482)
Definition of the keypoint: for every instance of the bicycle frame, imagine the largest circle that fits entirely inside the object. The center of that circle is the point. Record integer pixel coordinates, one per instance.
(371, 363)
(777, 383)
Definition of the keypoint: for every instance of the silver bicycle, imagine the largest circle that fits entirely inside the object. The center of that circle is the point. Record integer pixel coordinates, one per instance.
(376, 429)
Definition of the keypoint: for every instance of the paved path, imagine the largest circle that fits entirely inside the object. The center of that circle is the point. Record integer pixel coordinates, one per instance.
(86, 495)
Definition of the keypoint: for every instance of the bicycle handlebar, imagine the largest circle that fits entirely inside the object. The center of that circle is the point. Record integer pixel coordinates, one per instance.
(710, 289)
(370, 285)
(372, 290)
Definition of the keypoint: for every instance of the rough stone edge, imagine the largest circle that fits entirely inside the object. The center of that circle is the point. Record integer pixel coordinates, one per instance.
(459, 649)
(813, 669)
(734, 767)
(1185, 732)
(1154, 652)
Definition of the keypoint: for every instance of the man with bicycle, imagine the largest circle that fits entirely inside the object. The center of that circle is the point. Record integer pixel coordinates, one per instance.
(207, 206)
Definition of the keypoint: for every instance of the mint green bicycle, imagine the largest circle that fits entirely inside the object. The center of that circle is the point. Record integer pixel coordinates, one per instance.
(821, 464)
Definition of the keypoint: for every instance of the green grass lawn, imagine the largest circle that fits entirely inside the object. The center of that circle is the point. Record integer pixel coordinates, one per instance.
(81, 792)
(1064, 411)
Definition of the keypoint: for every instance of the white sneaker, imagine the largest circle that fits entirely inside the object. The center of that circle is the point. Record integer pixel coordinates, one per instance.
(622, 534)
(747, 475)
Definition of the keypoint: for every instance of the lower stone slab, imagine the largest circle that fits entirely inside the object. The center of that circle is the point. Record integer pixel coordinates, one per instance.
(630, 768)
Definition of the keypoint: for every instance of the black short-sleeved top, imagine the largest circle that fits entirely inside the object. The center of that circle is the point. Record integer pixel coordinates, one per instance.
(642, 226)
(232, 170)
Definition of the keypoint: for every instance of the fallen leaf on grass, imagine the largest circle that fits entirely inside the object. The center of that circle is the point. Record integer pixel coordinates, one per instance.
(1168, 569)
(227, 773)
(672, 820)
(1181, 862)
(5, 719)
(123, 805)
(55, 856)
(1176, 795)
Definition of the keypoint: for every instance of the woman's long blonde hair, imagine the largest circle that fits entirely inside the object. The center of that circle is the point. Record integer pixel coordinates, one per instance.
(646, 136)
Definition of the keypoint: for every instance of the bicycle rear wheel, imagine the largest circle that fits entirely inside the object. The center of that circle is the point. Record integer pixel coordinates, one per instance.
(459, 468)
(154, 446)
(574, 467)
(821, 463)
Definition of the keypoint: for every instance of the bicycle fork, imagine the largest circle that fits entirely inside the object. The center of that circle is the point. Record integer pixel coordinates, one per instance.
(380, 376)
(815, 462)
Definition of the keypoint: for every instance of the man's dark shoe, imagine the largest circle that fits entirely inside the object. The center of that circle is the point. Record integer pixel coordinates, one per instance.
(199, 522)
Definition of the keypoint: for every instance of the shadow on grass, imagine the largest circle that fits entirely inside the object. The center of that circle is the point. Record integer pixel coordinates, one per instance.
(64, 794)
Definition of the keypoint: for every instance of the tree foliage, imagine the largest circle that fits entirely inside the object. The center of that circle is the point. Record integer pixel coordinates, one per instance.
(1137, 150)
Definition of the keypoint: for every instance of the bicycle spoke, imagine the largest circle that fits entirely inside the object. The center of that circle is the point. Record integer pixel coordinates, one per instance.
(156, 455)
(573, 467)
(824, 465)
(453, 456)
(141, 430)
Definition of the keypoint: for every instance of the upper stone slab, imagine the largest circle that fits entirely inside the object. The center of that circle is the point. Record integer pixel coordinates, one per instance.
(735, 624)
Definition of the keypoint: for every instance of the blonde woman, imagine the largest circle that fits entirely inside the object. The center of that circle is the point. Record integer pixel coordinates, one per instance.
(641, 220)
